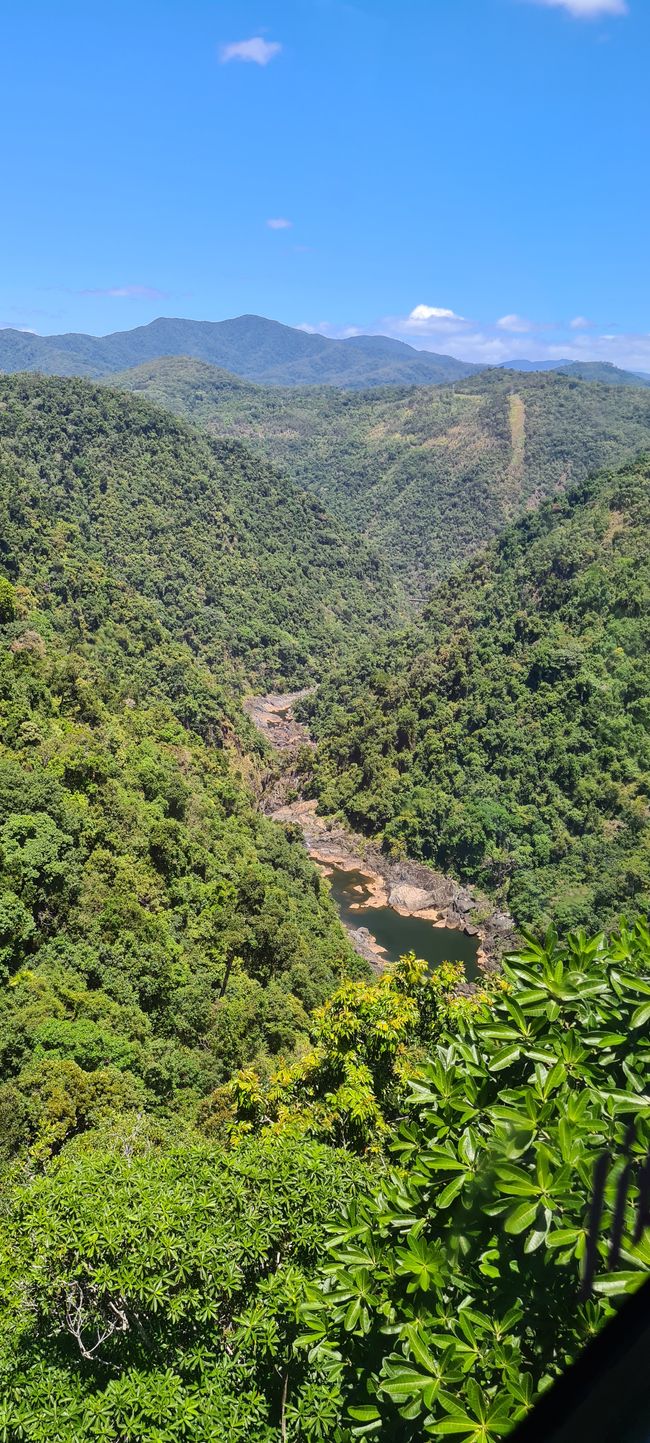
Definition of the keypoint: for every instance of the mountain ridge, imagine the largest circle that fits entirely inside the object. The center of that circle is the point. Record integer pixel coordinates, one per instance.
(270, 352)
(604, 372)
(250, 346)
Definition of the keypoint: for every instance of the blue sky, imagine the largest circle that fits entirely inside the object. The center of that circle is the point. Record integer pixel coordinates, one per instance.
(469, 175)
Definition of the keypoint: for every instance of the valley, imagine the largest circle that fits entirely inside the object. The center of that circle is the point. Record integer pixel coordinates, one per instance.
(388, 908)
(323, 883)
(424, 475)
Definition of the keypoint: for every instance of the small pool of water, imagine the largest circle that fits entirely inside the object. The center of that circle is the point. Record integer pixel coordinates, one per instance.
(400, 934)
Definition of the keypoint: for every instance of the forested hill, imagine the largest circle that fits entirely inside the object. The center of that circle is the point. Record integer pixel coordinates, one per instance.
(138, 882)
(505, 738)
(252, 346)
(427, 475)
(110, 505)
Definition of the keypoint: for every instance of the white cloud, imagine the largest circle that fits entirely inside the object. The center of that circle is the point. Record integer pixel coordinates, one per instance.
(421, 314)
(492, 345)
(280, 223)
(580, 323)
(517, 324)
(587, 9)
(256, 50)
(427, 321)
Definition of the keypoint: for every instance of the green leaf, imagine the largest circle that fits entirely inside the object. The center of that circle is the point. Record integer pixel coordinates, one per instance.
(404, 1382)
(564, 1237)
(504, 1057)
(521, 1217)
(612, 1283)
(451, 1191)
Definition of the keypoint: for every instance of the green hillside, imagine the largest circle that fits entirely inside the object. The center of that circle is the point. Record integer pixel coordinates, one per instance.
(156, 932)
(505, 738)
(426, 475)
(109, 501)
(605, 373)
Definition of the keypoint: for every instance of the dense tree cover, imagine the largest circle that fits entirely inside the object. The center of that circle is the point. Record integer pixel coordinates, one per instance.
(427, 475)
(250, 1192)
(251, 346)
(151, 1292)
(505, 737)
(453, 1295)
(156, 932)
(108, 506)
(153, 1285)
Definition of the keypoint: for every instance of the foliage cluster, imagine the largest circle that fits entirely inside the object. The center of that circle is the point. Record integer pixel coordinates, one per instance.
(152, 1293)
(505, 737)
(156, 1286)
(453, 1295)
(351, 1086)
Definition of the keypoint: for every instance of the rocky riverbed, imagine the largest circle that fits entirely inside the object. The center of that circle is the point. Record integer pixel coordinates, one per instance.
(408, 887)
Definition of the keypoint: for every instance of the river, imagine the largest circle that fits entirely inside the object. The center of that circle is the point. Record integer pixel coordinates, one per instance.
(387, 907)
(395, 934)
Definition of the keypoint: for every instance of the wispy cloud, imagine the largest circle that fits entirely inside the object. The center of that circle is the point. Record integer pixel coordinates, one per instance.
(518, 325)
(257, 50)
(128, 293)
(580, 323)
(587, 9)
(279, 223)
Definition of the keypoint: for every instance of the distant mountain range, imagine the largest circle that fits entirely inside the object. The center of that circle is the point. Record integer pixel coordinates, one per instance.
(602, 371)
(250, 346)
(267, 352)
